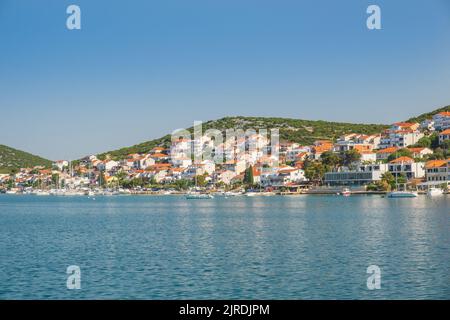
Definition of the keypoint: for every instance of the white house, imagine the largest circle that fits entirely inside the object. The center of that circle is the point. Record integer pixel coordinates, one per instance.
(383, 154)
(420, 152)
(442, 120)
(427, 124)
(407, 167)
(61, 164)
(444, 136)
(368, 156)
(110, 164)
(401, 134)
(437, 172)
(181, 162)
(225, 176)
(362, 175)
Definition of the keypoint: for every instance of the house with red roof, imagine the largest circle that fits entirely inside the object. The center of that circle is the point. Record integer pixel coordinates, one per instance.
(444, 136)
(437, 172)
(442, 121)
(401, 134)
(406, 166)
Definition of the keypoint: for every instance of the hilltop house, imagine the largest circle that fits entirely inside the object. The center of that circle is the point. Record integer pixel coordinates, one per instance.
(359, 142)
(444, 136)
(427, 124)
(442, 120)
(401, 134)
(60, 164)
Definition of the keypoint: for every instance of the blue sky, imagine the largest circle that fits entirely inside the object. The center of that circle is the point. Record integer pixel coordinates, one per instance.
(140, 69)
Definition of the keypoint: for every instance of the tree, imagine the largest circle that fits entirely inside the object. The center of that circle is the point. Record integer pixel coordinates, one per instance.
(121, 178)
(183, 184)
(400, 153)
(351, 156)
(201, 180)
(330, 159)
(248, 176)
(438, 154)
(314, 171)
(389, 179)
(424, 142)
(401, 179)
(55, 180)
(101, 179)
(446, 145)
(434, 140)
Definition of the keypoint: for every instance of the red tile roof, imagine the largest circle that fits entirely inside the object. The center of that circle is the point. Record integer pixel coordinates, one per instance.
(402, 159)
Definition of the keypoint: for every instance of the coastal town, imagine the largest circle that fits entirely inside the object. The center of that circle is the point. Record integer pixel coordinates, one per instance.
(413, 155)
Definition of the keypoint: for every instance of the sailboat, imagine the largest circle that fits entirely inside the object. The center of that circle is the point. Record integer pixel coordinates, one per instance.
(401, 193)
(197, 195)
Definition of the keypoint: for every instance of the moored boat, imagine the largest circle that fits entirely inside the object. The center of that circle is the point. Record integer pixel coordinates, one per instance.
(402, 194)
(435, 192)
(193, 196)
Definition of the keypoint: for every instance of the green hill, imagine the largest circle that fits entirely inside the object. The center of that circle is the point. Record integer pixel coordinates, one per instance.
(428, 115)
(12, 159)
(294, 130)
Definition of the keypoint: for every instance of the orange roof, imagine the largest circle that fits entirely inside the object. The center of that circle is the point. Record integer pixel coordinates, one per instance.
(299, 164)
(288, 170)
(322, 148)
(388, 150)
(445, 132)
(323, 141)
(436, 163)
(405, 124)
(402, 159)
(445, 113)
(416, 150)
(159, 155)
(301, 154)
(162, 165)
(360, 147)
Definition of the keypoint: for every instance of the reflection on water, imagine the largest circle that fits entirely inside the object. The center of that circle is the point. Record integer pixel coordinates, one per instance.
(299, 247)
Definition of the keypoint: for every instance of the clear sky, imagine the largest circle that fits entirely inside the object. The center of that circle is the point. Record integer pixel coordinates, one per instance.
(140, 69)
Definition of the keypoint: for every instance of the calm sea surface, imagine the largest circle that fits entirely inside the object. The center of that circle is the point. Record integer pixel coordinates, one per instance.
(302, 247)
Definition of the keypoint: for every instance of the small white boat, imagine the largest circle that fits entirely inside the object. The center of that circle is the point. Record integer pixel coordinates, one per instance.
(193, 196)
(435, 192)
(402, 194)
(11, 192)
(346, 192)
(42, 193)
(232, 194)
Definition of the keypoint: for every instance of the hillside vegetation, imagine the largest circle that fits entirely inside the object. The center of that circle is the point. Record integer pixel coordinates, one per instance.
(295, 130)
(11, 160)
(428, 115)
